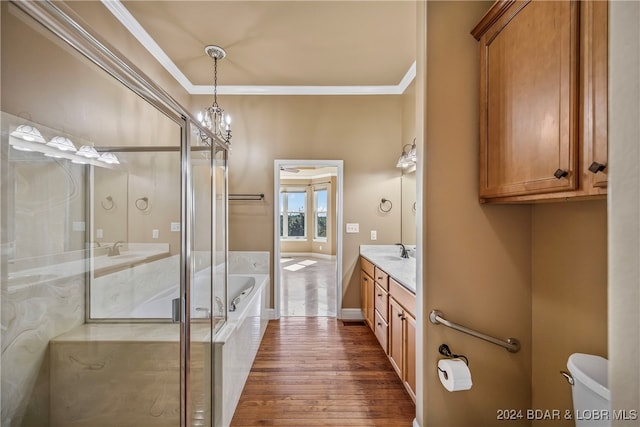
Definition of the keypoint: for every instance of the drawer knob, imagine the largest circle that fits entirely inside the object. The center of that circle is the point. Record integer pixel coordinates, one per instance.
(596, 167)
(559, 173)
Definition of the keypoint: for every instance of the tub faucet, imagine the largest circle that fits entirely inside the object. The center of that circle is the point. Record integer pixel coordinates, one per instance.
(115, 249)
(403, 253)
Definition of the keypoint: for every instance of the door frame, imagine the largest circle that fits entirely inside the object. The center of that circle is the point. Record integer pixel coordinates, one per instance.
(277, 164)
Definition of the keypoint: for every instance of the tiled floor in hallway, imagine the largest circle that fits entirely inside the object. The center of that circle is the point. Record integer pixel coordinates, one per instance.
(308, 286)
(320, 372)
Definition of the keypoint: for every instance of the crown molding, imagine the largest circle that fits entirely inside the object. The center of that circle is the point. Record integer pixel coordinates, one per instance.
(125, 17)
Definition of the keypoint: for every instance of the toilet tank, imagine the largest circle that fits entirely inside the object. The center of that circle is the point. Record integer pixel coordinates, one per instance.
(591, 396)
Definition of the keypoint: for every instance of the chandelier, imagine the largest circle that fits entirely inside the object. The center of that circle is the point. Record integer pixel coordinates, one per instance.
(214, 118)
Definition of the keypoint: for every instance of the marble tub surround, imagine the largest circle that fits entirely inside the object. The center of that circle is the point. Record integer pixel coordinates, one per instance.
(241, 262)
(387, 257)
(125, 375)
(31, 316)
(116, 295)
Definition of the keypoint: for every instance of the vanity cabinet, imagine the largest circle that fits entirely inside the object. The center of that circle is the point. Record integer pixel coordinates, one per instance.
(391, 308)
(543, 100)
(402, 344)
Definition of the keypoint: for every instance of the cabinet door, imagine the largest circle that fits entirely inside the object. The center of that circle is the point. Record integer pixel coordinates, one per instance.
(594, 24)
(409, 378)
(395, 343)
(529, 100)
(366, 297)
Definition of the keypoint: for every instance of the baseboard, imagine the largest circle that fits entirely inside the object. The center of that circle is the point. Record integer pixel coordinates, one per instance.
(307, 254)
(271, 313)
(351, 314)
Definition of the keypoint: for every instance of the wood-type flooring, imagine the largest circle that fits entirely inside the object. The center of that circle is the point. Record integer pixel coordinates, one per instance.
(321, 372)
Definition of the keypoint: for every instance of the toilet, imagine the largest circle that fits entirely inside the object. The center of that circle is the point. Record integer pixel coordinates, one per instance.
(590, 390)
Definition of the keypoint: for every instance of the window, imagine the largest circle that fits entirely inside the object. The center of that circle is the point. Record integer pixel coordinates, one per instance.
(293, 207)
(320, 213)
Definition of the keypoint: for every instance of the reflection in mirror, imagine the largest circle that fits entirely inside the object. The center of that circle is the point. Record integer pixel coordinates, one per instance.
(409, 193)
(135, 235)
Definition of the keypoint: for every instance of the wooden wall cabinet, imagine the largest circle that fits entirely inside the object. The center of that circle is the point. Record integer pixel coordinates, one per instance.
(543, 100)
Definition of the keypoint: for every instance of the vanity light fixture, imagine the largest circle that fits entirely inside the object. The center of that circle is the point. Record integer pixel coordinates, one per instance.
(88, 151)
(109, 158)
(28, 133)
(62, 143)
(214, 118)
(408, 157)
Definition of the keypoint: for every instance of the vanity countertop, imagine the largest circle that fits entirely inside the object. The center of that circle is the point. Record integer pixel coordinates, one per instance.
(387, 257)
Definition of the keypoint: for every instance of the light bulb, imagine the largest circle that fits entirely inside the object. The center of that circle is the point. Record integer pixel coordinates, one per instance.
(228, 119)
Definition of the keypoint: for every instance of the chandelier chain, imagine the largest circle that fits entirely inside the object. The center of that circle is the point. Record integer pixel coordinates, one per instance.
(215, 81)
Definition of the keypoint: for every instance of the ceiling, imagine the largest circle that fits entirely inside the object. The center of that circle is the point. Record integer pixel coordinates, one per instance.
(279, 47)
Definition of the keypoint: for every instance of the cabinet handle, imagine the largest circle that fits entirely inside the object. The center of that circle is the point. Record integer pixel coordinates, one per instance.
(399, 315)
(559, 173)
(366, 280)
(379, 278)
(379, 295)
(596, 167)
(379, 324)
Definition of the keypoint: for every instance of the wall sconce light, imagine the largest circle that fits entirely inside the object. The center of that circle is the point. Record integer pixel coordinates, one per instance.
(408, 157)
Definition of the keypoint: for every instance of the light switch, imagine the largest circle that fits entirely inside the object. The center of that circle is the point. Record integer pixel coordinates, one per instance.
(78, 226)
(99, 233)
(374, 235)
(155, 233)
(175, 226)
(353, 227)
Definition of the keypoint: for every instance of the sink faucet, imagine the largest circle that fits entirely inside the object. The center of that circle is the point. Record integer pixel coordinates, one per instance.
(403, 252)
(115, 249)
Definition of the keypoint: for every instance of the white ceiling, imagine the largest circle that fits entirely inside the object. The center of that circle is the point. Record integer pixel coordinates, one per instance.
(279, 47)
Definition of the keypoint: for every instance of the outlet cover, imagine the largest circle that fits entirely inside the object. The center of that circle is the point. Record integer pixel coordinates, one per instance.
(353, 227)
(155, 233)
(99, 233)
(78, 226)
(374, 235)
(175, 226)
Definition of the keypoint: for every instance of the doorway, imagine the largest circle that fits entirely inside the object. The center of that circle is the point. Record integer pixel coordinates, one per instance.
(308, 238)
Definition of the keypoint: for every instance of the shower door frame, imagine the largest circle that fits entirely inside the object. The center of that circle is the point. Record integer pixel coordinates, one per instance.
(62, 21)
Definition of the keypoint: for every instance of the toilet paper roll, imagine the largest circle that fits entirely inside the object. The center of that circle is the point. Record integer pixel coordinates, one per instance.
(454, 374)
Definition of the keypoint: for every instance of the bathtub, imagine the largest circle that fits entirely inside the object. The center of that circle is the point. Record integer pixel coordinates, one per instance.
(159, 306)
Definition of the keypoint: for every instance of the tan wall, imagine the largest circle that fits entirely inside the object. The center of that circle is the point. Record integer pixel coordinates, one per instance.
(362, 131)
(102, 22)
(569, 295)
(477, 258)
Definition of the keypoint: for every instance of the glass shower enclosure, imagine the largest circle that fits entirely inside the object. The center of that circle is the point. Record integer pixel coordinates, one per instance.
(113, 245)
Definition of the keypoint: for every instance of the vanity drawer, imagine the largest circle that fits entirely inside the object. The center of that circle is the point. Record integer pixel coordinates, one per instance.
(382, 278)
(367, 266)
(381, 299)
(381, 329)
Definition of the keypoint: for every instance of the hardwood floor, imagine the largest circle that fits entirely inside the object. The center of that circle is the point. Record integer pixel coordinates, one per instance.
(320, 372)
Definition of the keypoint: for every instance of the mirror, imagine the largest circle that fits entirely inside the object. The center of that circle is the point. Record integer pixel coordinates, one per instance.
(408, 229)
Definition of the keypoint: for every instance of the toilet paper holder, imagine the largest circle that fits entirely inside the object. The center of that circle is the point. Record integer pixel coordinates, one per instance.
(446, 351)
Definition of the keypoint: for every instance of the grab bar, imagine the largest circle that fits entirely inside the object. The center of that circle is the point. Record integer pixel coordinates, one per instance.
(511, 344)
